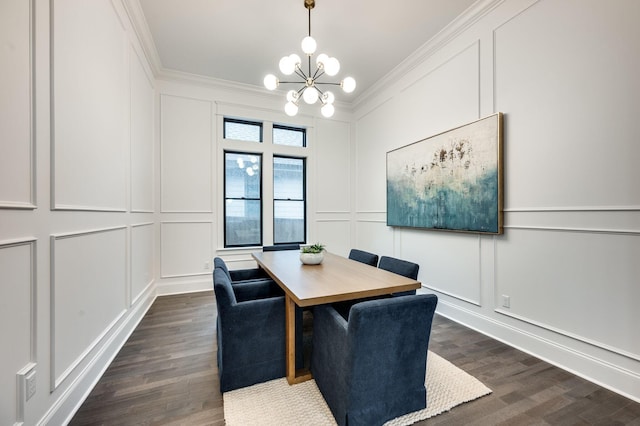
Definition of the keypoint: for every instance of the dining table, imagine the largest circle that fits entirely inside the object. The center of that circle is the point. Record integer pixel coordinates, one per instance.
(336, 279)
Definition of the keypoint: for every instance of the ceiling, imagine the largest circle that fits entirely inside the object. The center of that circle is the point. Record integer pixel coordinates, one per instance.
(243, 40)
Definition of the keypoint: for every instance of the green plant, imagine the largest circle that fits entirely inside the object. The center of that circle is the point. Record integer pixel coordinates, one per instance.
(314, 248)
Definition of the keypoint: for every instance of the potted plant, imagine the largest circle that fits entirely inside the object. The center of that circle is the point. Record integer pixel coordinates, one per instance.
(312, 254)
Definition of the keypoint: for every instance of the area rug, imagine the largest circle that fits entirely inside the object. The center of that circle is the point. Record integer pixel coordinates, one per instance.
(277, 403)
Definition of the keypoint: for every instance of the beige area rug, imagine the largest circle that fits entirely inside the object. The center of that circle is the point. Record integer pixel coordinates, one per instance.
(277, 403)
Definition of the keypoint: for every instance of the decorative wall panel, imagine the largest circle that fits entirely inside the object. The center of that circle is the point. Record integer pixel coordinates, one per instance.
(185, 248)
(333, 156)
(17, 171)
(90, 106)
(448, 264)
(88, 293)
(334, 235)
(586, 281)
(17, 322)
(186, 154)
(577, 132)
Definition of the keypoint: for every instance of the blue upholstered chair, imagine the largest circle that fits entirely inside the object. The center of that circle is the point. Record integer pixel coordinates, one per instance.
(364, 257)
(371, 367)
(241, 275)
(251, 332)
(400, 267)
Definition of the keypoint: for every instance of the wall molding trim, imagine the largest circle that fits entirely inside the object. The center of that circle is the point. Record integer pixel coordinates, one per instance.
(58, 377)
(33, 338)
(31, 204)
(573, 209)
(74, 395)
(581, 230)
(617, 351)
(450, 294)
(601, 372)
(185, 286)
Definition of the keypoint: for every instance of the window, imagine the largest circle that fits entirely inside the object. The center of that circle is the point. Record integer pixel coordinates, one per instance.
(291, 136)
(289, 205)
(242, 130)
(242, 199)
(281, 157)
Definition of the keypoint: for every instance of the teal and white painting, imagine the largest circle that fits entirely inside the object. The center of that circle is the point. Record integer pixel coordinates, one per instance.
(451, 181)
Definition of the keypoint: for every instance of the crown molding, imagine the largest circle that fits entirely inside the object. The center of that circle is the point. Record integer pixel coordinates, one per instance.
(141, 29)
(462, 22)
(452, 30)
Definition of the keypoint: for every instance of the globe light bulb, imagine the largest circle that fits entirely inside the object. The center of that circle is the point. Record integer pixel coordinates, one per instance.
(287, 67)
(292, 96)
(271, 82)
(327, 110)
(328, 98)
(348, 84)
(332, 66)
(295, 59)
(321, 60)
(291, 109)
(310, 95)
(308, 45)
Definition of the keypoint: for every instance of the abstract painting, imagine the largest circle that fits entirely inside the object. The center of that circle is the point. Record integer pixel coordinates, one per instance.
(451, 181)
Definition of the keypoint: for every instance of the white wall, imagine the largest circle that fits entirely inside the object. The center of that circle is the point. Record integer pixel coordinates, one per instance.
(564, 73)
(77, 237)
(108, 197)
(191, 144)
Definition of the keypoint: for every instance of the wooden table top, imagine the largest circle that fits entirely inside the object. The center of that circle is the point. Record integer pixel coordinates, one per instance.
(335, 279)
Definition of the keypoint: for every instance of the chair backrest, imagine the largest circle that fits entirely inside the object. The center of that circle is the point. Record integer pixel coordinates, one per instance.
(396, 322)
(364, 257)
(225, 297)
(399, 266)
(279, 247)
(218, 263)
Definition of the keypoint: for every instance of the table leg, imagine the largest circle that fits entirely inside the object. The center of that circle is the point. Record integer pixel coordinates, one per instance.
(293, 376)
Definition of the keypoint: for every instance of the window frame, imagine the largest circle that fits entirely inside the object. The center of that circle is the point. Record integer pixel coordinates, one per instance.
(304, 196)
(225, 198)
(259, 124)
(291, 128)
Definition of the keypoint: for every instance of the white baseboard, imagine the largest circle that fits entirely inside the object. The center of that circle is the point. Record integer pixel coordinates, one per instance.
(598, 370)
(187, 286)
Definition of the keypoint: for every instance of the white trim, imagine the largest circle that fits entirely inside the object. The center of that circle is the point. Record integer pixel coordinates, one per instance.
(573, 209)
(450, 294)
(600, 372)
(581, 230)
(56, 381)
(183, 287)
(32, 204)
(63, 409)
(574, 336)
(33, 318)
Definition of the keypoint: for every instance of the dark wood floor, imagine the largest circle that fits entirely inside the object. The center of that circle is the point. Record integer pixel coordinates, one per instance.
(166, 374)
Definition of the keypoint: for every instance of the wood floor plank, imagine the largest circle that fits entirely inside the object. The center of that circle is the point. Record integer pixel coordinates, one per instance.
(166, 374)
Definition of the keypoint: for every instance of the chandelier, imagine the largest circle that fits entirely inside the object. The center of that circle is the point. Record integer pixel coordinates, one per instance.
(310, 91)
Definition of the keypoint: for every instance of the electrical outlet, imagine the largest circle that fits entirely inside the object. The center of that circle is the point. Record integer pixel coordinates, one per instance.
(506, 301)
(207, 265)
